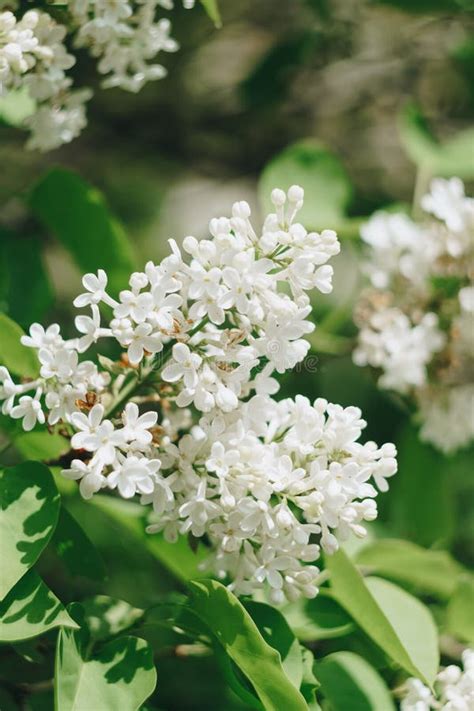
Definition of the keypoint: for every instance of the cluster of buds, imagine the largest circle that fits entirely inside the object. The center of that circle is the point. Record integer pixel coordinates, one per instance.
(453, 689)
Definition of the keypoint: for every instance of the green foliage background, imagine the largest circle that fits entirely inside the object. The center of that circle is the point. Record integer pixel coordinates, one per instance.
(361, 102)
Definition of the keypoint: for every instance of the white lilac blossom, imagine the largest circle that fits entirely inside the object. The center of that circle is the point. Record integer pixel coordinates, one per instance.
(125, 38)
(265, 483)
(453, 689)
(416, 322)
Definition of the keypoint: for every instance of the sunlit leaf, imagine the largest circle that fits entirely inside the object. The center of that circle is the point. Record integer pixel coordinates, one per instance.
(17, 358)
(327, 188)
(31, 609)
(106, 616)
(28, 516)
(395, 620)
(349, 682)
(240, 638)
(276, 631)
(119, 675)
(75, 549)
(428, 571)
(79, 217)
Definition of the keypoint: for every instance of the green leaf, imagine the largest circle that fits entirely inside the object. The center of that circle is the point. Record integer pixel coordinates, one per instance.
(15, 106)
(327, 188)
(422, 497)
(276, 631)
(75, 549)
(36, 445)
(451, 158)
(120, 675)
(309, 683)
(349, 682)
(40, 445)
(397, 622)
(28, 516)
(24, 265)
(459, 614)
(17, 358)
(79, 217)
(31, 609)
(240, 638)
(427, 571)
(320, 618)
(106, 616)
(212, 9)
(177, 557)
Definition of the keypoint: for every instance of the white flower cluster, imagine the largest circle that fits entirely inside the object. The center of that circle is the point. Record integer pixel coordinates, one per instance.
(33, 57)
(416, 323)
(264, 483)
(454, 689)
(124, 36)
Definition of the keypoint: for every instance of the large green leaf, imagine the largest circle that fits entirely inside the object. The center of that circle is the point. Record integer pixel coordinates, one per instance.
(23, 262)
(428, 571)
(75, 549)
(79, 217)
(28, 516)
(31, 609)
(453, 157)
(319, 618)
(395, 620)
(422, 497)
(276, 631)
(459, 614)
(106, 616)
(327, 187)
(120, 675)
(39, 444)
(16, 357)
(240, 638)
(349, 682)
(177, 557)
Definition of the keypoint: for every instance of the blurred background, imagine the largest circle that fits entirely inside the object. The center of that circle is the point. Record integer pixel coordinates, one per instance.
(339, 72)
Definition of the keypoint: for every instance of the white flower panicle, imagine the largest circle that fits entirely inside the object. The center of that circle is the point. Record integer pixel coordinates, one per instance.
(33, 57)
(264, 483)
(416, 323)
(125, 38)
(454, 689)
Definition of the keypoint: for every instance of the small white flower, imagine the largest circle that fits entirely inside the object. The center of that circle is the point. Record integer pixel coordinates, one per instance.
(90, 477)
(143, 339)
(95, 285)
(134, 475)
(185, 366)
(29, 410)
(137, 427)
(96, 435)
